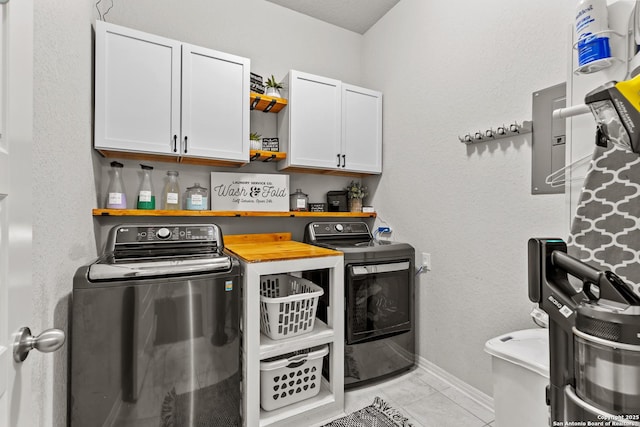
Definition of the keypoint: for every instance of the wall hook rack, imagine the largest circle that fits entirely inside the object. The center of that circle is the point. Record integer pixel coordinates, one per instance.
(499, 132)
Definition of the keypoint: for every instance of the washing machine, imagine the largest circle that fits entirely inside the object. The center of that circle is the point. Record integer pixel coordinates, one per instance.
(155, 330)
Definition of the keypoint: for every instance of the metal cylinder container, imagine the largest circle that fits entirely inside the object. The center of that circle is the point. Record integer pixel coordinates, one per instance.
(607, 357)
(607, 373)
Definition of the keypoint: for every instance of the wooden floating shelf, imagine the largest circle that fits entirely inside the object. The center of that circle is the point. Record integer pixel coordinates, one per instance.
(268, 104)
(266, 156)
(158, 212)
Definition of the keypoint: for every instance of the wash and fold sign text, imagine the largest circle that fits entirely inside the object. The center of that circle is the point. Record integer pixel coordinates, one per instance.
(249, 192)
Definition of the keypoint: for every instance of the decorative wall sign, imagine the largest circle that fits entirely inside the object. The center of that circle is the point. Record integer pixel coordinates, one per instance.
(317, 207)
(271, 144)
(249, 192)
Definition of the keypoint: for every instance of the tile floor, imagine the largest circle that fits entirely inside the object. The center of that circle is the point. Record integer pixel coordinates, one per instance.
(425, 400)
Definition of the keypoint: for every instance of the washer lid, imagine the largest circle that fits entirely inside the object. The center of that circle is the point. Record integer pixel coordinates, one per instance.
(100, 271)
(528, 348)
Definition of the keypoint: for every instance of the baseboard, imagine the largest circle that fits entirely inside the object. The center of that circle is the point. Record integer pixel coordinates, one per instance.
(455, 382)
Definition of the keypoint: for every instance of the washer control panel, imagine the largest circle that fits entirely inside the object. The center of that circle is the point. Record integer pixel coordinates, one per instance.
(328, 229)
(128, 234)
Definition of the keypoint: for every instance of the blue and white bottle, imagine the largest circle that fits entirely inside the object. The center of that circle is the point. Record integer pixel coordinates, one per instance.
(592, 31)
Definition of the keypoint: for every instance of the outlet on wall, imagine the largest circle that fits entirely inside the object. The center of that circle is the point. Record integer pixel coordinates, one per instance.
(426, 261)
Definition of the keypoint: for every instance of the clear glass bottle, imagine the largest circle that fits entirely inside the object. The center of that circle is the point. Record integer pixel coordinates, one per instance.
(171, 194)
(116, 197)
(146, 195)
(196, 198)
(298, 201)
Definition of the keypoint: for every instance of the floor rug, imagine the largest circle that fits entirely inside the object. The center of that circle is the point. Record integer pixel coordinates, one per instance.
(378, 414)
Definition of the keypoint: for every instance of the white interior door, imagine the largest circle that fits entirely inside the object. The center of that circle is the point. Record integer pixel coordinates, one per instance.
(5, 356)
(16, 129)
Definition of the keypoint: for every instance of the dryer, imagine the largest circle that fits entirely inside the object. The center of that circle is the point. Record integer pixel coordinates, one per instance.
(379, 300)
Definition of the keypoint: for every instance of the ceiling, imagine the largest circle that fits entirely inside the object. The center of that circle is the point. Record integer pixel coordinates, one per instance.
(353, 15)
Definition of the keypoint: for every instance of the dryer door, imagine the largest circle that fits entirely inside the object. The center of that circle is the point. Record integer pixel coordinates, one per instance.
(379, 300)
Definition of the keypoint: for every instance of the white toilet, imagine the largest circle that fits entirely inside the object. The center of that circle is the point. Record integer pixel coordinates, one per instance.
(520, 362)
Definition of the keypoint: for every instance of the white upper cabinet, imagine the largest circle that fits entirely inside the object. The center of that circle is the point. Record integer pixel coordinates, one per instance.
(361, 129)
(215, 104)
(160, 96)
(137, 91)
(330, 125)
(310, 126)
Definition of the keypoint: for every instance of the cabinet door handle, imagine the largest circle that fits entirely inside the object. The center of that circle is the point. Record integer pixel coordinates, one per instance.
(344, 160)
(175, 143)
(338, 165)
(185, 144)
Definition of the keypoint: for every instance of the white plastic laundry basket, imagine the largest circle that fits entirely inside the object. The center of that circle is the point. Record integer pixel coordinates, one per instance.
(291, 377)
(287, 305)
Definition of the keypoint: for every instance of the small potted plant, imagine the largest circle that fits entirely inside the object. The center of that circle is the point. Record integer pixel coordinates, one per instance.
(355, 193)
(273, 87)
(255, 143)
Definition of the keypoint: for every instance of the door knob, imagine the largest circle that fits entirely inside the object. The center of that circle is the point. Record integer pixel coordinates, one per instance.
(47, 342)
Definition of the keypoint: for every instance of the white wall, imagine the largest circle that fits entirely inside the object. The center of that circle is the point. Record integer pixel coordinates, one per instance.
(63, 183)
(447, 68)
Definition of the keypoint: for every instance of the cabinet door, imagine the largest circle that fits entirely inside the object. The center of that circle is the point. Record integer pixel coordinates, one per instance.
(215, 104)
(361, 129)
(137, 91)
(314, 122)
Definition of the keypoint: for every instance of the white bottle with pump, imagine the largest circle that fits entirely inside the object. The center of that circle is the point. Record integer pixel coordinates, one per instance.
(592, 35)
